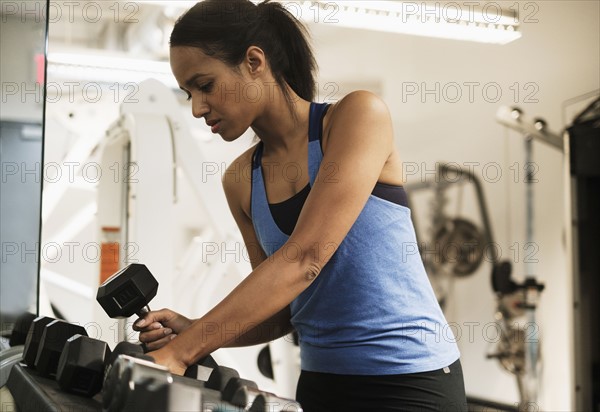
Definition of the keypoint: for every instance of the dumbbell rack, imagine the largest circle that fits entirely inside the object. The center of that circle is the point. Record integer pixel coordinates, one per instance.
(32, 392)
(152, 387)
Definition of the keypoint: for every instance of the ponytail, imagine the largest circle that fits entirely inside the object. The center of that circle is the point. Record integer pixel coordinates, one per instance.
(224, 29)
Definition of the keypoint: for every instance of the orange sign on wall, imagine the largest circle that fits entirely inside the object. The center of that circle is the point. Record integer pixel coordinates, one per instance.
(109, 253)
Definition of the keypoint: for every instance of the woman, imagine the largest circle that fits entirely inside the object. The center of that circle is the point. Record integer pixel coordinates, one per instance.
(333, 249)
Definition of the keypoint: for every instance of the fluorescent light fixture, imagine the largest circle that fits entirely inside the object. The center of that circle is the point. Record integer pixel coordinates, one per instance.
(99, 67)
(484, 22)
(449, 21)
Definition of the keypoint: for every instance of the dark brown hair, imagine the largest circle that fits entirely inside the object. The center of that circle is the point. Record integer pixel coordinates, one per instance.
(224, 29)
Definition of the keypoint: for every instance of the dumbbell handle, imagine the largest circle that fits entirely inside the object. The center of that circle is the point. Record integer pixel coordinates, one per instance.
(143, 311)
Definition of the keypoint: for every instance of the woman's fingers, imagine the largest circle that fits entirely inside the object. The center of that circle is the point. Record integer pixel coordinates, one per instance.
(157, 344)
(151, 327)
(151, 318)
(157, 328)
(165, 317)
(154, 335)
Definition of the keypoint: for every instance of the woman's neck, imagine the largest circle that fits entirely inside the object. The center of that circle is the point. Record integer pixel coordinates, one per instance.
(281, 131)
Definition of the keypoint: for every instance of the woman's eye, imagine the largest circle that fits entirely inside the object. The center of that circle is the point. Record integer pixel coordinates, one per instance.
(206, 88)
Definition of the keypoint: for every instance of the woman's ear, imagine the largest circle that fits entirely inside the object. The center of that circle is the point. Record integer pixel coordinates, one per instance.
(255, 60)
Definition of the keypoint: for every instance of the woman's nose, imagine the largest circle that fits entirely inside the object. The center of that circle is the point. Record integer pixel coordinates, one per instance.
(199, 106)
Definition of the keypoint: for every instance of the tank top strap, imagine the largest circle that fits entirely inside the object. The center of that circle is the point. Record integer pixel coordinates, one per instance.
(315, 131)
(258, 194)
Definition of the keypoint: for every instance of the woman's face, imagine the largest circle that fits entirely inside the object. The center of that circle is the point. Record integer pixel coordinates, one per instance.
(227, 100)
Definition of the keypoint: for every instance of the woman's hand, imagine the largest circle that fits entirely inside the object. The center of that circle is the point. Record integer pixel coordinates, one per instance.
(157, 328)
(165, 358)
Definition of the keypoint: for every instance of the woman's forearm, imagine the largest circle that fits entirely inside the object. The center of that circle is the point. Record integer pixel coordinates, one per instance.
(271, 329)
(268, 290)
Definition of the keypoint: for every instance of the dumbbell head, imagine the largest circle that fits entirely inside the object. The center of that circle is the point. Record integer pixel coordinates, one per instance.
(81, 365)
(32, 342)
(126, 348)
(128, 374)
(52, 343)
(128, 291)
(202, 370)
(18, 335)
(240, 392)
(219, 378)
(267, 402)
(141, 387)
(122, 348)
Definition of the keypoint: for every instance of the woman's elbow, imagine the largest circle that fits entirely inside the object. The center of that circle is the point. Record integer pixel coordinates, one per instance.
(311, 271)
(303, 263)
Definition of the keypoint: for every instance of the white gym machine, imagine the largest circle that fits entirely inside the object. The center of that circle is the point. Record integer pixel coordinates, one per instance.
(519, 350)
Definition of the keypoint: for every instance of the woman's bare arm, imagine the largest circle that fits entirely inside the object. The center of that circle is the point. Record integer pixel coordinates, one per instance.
(237, 191)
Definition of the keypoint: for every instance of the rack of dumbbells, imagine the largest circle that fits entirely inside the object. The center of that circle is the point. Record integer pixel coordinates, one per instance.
(53, 365)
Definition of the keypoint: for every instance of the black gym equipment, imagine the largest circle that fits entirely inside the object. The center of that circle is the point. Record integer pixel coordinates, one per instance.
(34, 336)
(462, 245)
(85, 362)
(54, 338)
(81, 365)
(16, 341)
(264, 362)
(8, 358)
(127, 292)
(139, 384)
(239, 391)
(457, 247)
(584, 173)
(19, 332)
(220, 376)
(130, 378)
(271, 403)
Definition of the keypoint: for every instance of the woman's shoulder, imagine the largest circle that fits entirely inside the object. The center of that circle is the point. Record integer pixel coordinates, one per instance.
(359, 105)
(237, 179)
(363, 100)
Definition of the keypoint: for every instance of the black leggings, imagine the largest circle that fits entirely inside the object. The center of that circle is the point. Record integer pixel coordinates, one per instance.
(438, 390)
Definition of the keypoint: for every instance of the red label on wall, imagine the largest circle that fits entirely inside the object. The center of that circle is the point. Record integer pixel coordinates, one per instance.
(40, 68)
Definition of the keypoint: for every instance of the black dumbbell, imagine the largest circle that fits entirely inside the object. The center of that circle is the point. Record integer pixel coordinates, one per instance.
(125, 348)
(198, 372)
(85, 362)
(201, 371)
(127, 371)
(53, 340)
(13, 354)
(127, 292)
(18, 335)
(267, 402)
(32, 342)
(219, 378)
(81, 365)
(240, 392)
(138, 384)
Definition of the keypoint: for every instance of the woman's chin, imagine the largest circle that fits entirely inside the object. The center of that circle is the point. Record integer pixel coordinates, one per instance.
(228, 137)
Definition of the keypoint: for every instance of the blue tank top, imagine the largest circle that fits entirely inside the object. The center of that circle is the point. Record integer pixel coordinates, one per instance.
(371, 310)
